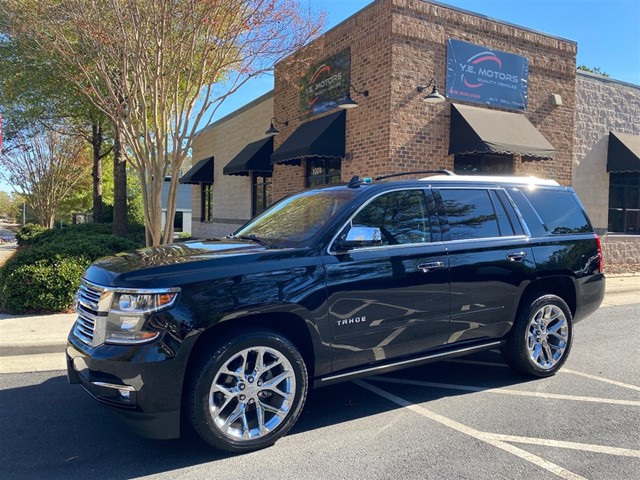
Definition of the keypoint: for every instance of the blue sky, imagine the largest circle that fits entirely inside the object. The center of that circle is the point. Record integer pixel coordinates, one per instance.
(607, 33)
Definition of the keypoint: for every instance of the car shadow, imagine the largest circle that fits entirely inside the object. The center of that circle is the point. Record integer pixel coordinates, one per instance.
(53, 430)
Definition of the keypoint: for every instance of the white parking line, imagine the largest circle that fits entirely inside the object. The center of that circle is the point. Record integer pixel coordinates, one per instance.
(562, 370)
(472, 432)
(508, 391)
(600, 379)
(622, 452)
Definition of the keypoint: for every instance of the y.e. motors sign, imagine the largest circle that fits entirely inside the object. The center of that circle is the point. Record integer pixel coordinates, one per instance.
(482, 75)
(325, 84)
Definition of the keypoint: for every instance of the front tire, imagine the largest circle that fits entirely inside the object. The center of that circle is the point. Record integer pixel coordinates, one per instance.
(541, 338)
(247, 391)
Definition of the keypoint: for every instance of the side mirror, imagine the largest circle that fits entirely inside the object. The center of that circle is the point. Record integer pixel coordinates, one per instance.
(358, 237)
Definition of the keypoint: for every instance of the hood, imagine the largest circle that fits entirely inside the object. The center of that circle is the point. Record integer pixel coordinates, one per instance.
(161, 266)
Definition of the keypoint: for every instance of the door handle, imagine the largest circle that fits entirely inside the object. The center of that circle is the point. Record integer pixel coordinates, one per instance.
(516, 256)
(428, 267)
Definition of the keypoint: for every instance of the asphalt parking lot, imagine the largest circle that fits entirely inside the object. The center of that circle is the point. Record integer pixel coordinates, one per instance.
(471, 418)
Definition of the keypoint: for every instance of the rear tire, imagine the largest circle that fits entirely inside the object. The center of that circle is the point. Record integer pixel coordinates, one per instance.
(540, 340)
(246, 391)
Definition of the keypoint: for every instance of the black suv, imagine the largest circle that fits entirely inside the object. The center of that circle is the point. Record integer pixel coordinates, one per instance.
(328, 285)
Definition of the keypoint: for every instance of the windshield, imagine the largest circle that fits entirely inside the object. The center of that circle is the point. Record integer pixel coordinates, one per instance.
(298, 220)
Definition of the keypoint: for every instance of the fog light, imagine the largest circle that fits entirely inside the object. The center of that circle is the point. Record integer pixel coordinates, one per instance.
(130, 323)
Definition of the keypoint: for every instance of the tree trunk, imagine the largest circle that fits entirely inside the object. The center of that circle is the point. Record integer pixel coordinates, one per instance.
(119, 227)
(96, 142)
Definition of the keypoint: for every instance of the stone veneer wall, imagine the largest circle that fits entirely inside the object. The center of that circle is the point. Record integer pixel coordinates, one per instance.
(603, 105)
(223, 140)
(398, 44)
(621, 253)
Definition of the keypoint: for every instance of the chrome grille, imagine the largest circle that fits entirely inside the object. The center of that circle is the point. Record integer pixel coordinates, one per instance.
(88, 307)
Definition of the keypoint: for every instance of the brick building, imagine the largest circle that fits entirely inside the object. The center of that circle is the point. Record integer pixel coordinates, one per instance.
(510, 108)
(396, 45)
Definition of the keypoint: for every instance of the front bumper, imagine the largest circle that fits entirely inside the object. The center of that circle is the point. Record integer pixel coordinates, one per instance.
(140, 384)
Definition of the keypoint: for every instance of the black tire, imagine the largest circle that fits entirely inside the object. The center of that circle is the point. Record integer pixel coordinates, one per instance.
(540, 340)
(238, 405)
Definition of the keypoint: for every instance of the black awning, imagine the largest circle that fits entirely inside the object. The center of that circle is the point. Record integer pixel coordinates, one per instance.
(255, 157)
(480, 130)
(201, 172)
(323, 137)
(624, 153)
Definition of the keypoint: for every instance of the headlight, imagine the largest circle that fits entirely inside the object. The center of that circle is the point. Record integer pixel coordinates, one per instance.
(128, 314)
(142, 302)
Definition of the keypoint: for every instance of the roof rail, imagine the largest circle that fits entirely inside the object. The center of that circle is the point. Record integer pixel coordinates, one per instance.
(421, 172)
(513, 179)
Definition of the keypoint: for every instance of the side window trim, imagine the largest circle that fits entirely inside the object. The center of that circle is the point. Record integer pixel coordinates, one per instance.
(532, 208)
(506, 222)
(516, 220)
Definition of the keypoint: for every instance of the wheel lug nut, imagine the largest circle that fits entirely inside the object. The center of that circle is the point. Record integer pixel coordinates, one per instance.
(242, 398)
(259, 383)
(250, 379)
(241, 386)
(251, 401)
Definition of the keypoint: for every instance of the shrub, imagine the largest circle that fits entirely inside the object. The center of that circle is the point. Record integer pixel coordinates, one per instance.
(27, 233)
(45, 272)
(46, 285)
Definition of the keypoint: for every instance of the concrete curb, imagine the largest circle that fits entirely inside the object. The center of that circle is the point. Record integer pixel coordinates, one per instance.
(34, 334)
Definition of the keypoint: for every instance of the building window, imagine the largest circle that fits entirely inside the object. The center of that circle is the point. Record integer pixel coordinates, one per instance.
(206, 202)
(323, 171)
(261, 193)
(483, 164)
(624, 202)
(178, 221)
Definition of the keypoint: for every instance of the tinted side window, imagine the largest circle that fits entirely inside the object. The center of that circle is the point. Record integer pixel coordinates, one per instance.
(559, 210)
(470, 213)
(401, 216)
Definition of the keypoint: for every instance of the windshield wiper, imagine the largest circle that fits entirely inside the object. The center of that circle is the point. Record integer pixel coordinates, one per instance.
(254, 238)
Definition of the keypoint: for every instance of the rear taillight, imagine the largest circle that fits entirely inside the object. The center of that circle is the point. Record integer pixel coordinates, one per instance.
(600, 259)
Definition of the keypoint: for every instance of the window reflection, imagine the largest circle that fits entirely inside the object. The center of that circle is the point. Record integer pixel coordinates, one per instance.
(297, 220)
(401, 217)
(470, 214)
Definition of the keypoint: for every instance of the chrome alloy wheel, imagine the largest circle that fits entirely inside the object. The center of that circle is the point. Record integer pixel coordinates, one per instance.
(547, 336)
(252, 393)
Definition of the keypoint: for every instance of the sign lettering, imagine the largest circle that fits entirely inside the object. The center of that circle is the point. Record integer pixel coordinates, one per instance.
(482, 75)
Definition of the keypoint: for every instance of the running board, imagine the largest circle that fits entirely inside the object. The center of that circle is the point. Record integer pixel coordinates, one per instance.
(412, 362)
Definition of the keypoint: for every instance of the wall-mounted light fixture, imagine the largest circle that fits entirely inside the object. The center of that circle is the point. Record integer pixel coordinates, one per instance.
(434, 96)
(349, 102)
(272, 129)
